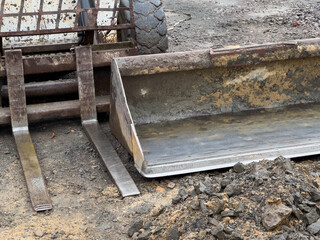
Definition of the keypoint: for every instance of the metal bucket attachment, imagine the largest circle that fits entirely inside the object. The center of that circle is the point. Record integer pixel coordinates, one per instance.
(193, 111)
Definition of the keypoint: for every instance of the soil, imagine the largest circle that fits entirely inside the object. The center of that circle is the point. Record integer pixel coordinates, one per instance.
(87, 205)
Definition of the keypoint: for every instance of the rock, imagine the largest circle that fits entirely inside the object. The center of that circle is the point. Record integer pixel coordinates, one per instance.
(173, 234)
(218, 231)
(311, 216)
(309, 203)
(147, 225)
(225, 182)
(160, 189)
(213, 221)
(236, 235)
(171, 185)
(297, 198)
(202, 187)
(176, 200)
(239, 167)
(202, 234)
(203, 206)
(190, 182)
(157, 211)
(39, 233)
(232, 189)
(229, 213)
(239, 208)
(315, 195)
(212, 189)
(228, 230)
(304, 207)
(145, 235)
(135, 226)
(215, 205)
(297, 212)
(183, 194)
(282, 236)
(314, 228)
(195, 204)
(54, 235)
(274, 215)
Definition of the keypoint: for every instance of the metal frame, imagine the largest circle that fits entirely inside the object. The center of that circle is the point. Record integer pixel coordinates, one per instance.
(90, 12)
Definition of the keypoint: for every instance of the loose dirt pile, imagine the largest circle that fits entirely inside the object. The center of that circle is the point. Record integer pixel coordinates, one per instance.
(276, 200)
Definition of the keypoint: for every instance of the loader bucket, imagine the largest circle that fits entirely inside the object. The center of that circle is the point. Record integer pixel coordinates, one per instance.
(200, 110)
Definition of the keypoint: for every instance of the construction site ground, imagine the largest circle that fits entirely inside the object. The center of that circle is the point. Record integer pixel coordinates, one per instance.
(87, 205)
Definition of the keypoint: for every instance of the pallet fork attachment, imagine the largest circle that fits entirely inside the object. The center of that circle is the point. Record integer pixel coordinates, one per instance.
(92, 128)
(35, 182)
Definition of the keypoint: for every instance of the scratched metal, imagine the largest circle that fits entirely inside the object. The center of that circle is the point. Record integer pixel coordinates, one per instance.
(185, 107)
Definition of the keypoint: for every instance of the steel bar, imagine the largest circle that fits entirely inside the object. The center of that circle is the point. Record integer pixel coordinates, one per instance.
(47, 88)
(55, 110)
(92, 128)
(35, 182)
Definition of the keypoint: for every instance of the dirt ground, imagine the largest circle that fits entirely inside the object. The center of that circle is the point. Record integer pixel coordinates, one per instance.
(86, 204)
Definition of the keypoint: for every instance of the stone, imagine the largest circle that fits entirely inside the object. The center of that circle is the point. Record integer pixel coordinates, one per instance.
(282, 236)
(311, 216)
(183, 194)
(215, 205)
(176, 200)
(274, 215)
(229, 213)
(202, 234)
(39, 233)
(213, 221)
(232, 189)
(236, 235)
(239, 167)
(145, 235)
(314, 228)
(135, 226)
(225, 182)
(203, 206)
(173, 234)
(228, 230)
(218, 231)
(171, 185)
(157, 211)
(315, 195)
(297, 212)
(239, 208)
(195, 204)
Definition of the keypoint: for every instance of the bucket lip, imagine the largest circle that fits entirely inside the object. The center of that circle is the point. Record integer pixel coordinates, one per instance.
(222, 57)
(207, 164)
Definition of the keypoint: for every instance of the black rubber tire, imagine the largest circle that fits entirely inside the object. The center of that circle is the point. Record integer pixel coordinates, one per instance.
(151, 26)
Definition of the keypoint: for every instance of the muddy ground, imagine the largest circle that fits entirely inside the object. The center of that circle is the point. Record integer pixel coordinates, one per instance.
(86, 203)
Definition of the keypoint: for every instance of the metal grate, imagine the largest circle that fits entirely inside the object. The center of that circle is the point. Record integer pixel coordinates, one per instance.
(39, 17)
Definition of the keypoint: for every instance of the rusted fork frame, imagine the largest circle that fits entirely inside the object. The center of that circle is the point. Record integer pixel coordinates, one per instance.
(92, 128)
(35, 182)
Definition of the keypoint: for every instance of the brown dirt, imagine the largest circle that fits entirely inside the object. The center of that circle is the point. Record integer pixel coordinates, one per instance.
(86, 203)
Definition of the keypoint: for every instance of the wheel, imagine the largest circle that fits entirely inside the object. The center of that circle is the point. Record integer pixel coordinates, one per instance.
(151, 27)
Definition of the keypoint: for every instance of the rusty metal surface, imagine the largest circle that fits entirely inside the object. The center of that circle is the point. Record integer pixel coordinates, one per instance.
(35, 182)
(55, 110)
(201, 59)
(92, 128)
(154, 95)
(47, 88)
(66, 61)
